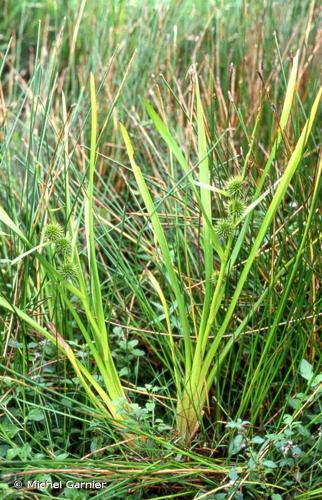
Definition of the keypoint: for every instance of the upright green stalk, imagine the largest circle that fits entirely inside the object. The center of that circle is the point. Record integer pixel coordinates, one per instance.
(102, 337)
(205, 200)
(160, 236)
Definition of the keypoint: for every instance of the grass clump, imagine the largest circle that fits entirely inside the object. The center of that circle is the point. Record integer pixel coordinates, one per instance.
(202, 360)
(163, 337)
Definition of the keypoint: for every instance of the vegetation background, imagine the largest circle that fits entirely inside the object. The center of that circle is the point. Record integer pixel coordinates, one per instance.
(217, 73)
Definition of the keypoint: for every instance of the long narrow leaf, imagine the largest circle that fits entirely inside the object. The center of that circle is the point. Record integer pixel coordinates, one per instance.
(64, 347)
(160, 236)
(7, 221)
(205, 196)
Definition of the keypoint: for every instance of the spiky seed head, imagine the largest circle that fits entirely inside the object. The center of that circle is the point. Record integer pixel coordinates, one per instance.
(68, 271)
(235, 208)
(64, 247)
(235, 186)
(54, 232)
(224, 229)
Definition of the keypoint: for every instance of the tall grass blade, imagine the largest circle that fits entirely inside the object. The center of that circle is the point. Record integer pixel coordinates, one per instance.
(160, 236)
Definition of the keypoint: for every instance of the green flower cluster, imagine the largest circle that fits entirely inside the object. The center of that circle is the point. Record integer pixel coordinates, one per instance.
(55, 234)
(68, 271)
(235, 208)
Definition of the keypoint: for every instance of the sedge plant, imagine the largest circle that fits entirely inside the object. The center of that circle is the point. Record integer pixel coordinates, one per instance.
(79, 291)
(196, 363)
(57, 403)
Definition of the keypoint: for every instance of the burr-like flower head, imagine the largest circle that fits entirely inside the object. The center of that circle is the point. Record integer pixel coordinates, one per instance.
(64, 247)
(224, 229)
(68, 271)
(54, 232)
(235, 186)
(235, 208)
